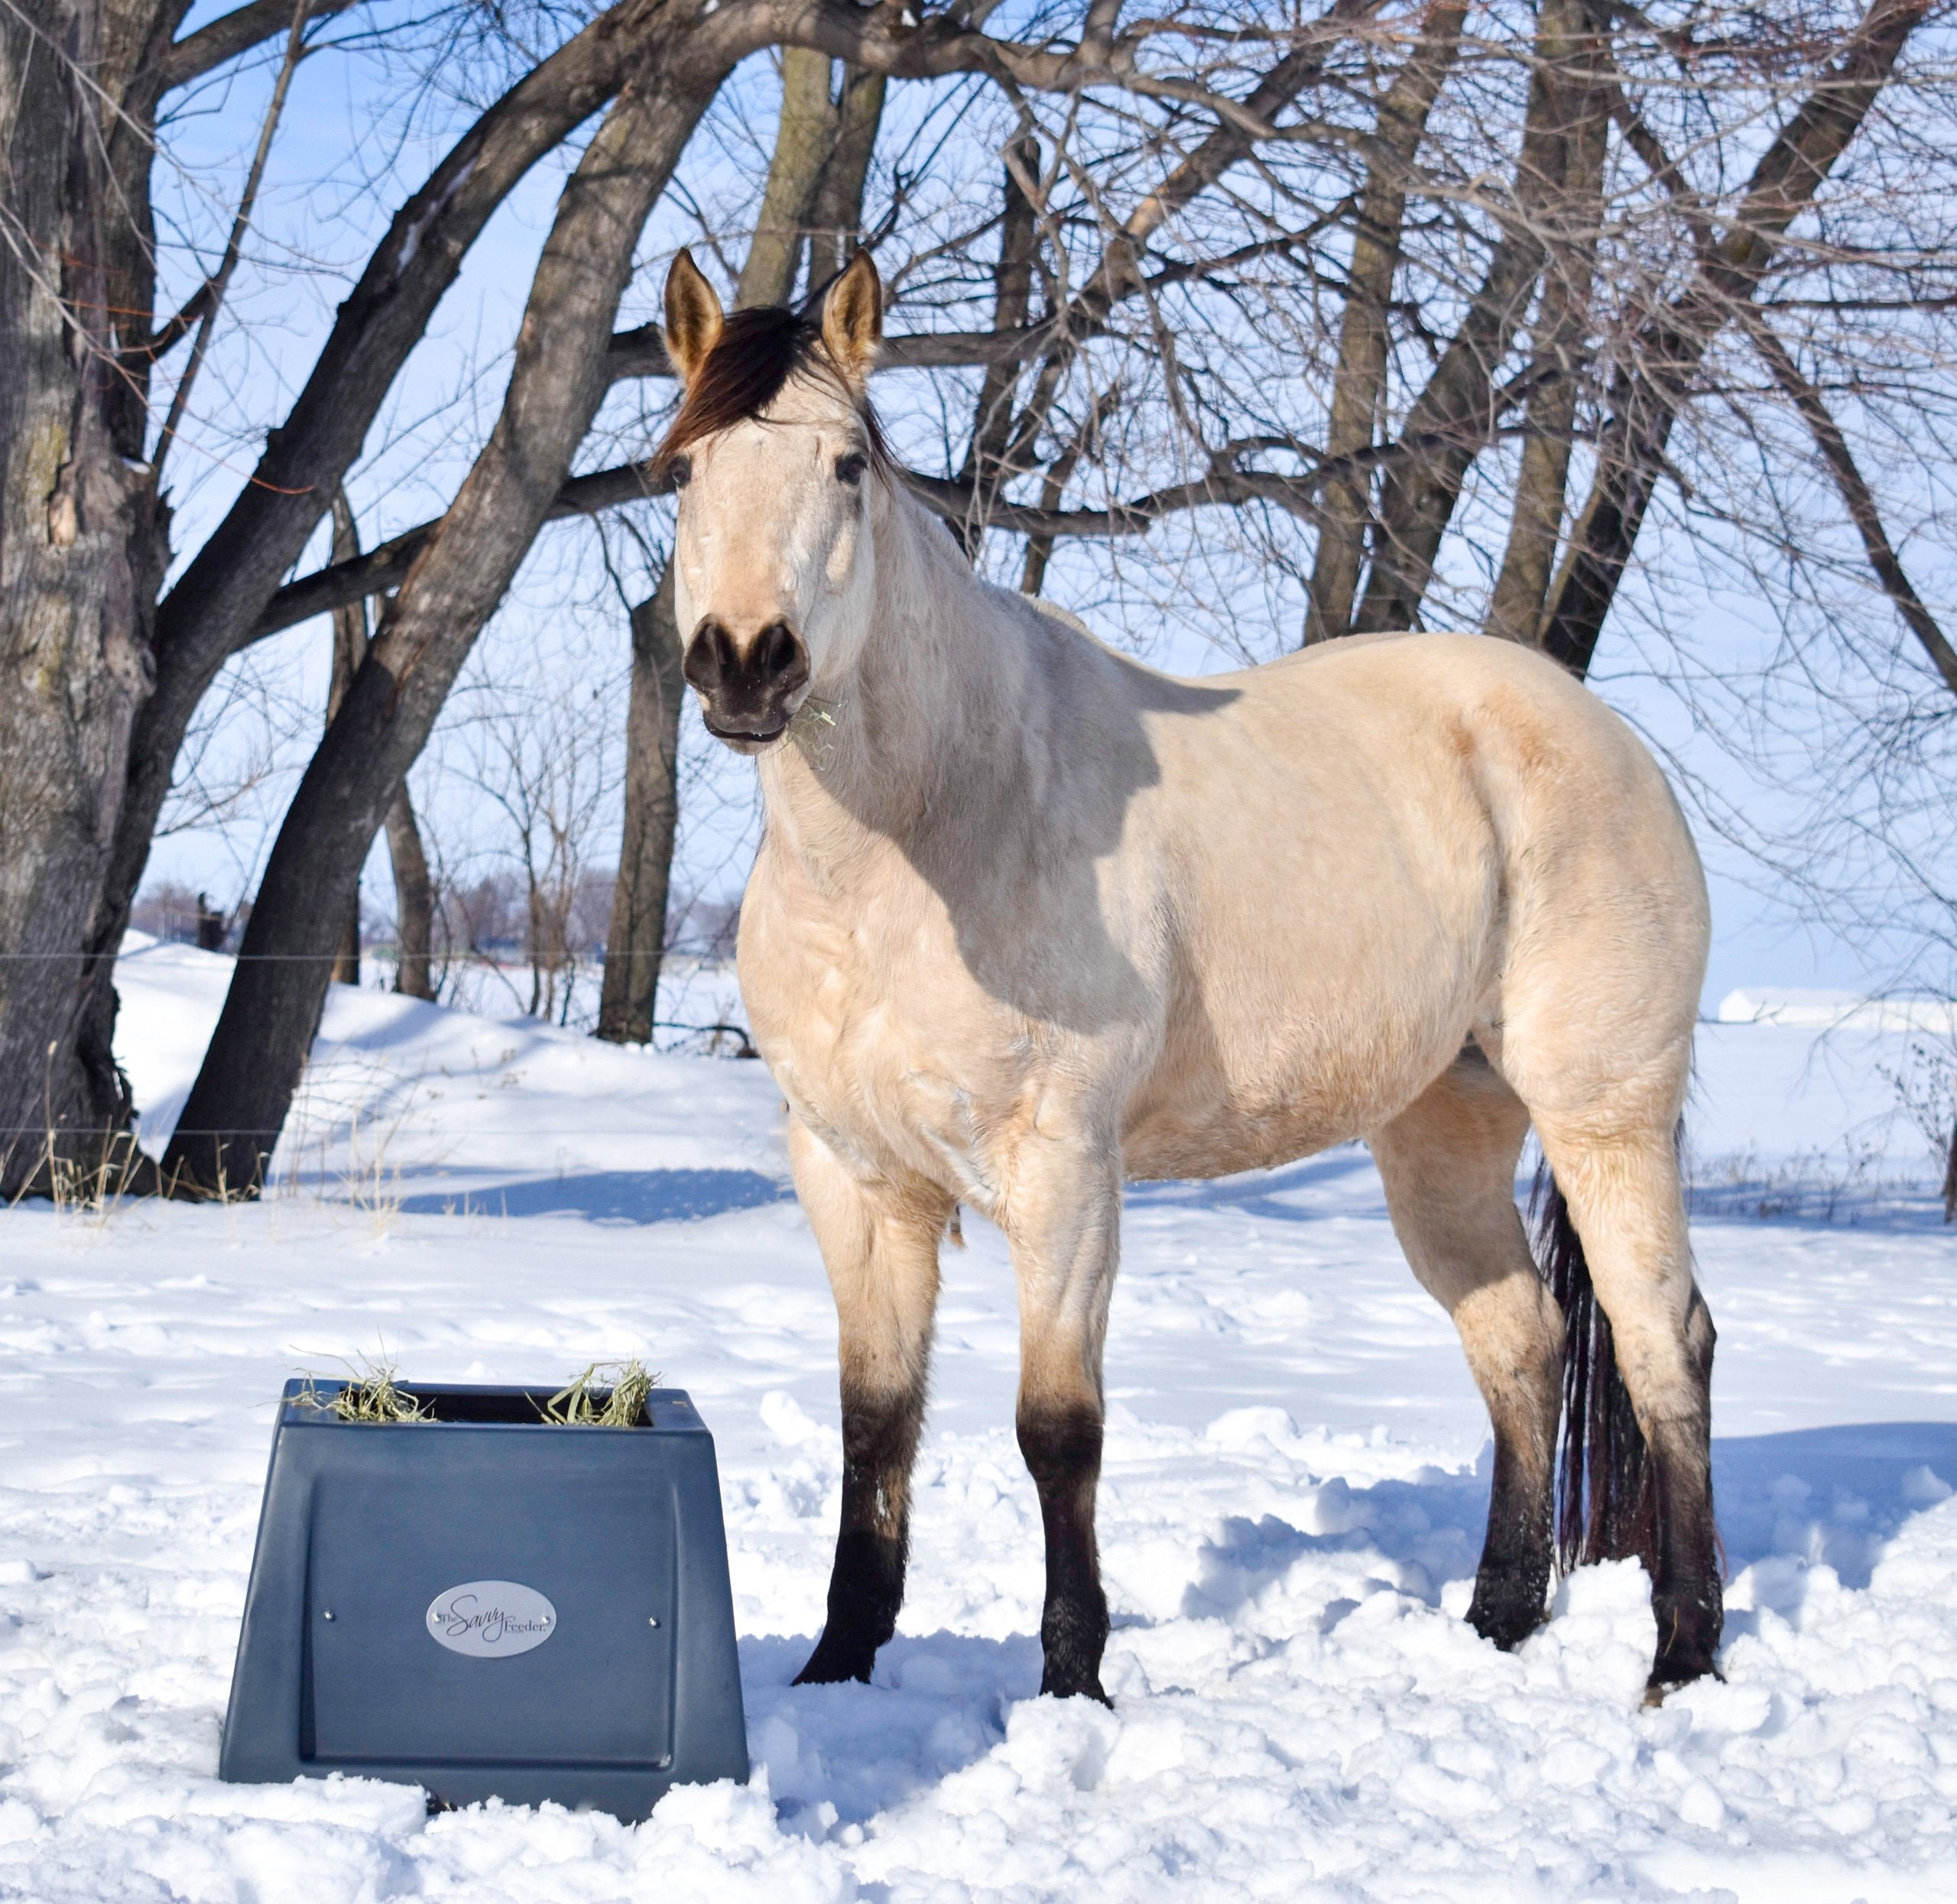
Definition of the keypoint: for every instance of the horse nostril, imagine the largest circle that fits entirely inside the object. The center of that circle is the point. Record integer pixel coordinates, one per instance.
(777, 653)
(710, 656)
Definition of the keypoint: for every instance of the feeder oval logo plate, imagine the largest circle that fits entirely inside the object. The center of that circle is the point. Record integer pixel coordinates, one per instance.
(491, 1619)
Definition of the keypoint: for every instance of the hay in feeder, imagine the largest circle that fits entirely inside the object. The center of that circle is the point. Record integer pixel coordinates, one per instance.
(371, 1395)
(607, 1395)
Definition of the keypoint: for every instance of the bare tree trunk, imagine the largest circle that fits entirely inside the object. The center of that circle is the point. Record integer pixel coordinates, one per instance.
(802, 142)
(414, 901)
(77, 560)
(1455, 414)
(231, 1120)
(635, 946)
(1559, 356)
(836, 214)
(986, 469)
(1360, 380)
(209, 612)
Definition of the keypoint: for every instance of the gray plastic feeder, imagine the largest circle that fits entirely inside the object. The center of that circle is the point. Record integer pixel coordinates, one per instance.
(488, 1606)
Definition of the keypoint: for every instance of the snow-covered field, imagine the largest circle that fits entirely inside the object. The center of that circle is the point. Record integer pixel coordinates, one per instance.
(1291, 1513)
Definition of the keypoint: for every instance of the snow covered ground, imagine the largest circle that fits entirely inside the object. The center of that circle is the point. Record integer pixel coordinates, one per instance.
(1291, 1513)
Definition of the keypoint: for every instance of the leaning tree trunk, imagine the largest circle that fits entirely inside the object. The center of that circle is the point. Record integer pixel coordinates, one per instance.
(209, 613)
(74, 570)
(1363, 339)
(1654, 381)
(1560, 346)
(231, 1120)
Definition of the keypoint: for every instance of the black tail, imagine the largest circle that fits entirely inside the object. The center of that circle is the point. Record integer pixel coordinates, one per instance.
(1607, 1506)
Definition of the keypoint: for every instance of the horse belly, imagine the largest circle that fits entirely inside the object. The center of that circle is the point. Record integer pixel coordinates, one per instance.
(1196, 1115)
(1325, 976)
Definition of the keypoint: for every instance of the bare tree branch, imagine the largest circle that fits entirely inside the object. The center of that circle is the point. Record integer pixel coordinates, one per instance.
(1654, 382)
(642, 352)
(1856, 494)
(231, 34)
(212, 298)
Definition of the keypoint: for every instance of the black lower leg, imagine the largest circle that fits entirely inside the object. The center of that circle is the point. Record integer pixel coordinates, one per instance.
(1687, 1597)
(1062, 1451)
(866, 1586)
(1512, 1584)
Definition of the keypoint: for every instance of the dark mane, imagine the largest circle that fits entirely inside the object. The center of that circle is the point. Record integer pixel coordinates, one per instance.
(757, 352)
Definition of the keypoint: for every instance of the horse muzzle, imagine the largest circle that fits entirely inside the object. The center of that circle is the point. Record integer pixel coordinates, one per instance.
(748, 694)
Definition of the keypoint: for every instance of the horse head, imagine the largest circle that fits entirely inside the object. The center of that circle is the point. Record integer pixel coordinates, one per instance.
(780, 468)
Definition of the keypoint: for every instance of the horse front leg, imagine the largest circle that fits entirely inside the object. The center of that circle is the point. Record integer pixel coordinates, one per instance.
(1064, 1227)
(880, 1245)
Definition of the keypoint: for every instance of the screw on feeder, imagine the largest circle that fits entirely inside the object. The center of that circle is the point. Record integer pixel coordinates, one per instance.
(327, 1613)
(653, 1621)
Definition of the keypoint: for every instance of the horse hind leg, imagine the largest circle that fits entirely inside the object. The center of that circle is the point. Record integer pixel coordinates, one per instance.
(1448, 1162)
(1638, 1461)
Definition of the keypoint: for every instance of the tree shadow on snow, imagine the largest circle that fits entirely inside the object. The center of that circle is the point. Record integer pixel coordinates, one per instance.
(938, 1703)
(610, 1196)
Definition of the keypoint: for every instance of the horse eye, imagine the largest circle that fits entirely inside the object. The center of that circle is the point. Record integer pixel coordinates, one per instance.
(850, 469)
(681, 471)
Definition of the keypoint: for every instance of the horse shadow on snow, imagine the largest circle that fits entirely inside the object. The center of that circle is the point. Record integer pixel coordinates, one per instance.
(1791, 1505)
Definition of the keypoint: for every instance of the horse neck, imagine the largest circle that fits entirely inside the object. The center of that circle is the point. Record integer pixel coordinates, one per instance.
(936, 679)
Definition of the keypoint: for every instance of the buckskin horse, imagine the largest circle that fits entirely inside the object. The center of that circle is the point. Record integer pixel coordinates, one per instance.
(1030, 920)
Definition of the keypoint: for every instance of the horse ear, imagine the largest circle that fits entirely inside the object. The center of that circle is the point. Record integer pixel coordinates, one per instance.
(693, 319)
(853, 320)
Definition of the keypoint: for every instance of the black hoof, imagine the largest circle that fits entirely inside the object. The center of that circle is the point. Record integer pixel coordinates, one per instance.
(1505, 1613)
(1689, 1628)
(831, 1666)
(1072, 1637)
(1071, 1686)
